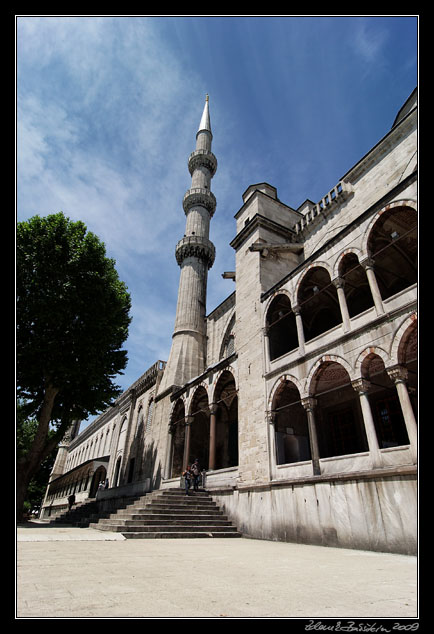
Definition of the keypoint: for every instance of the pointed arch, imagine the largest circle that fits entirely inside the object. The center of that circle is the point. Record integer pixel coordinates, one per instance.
(357, 291)
(199, 415)
(177, 431)
(228, 342)
(281, 327)
(318, 301)
(391, 242)
(291, 430)
(362, 361)
(405, 336)
(339, 421)
(224, 448)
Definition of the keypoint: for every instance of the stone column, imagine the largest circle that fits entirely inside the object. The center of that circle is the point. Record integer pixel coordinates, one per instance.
(266, 341)
(272, 459)
(188, 422)
(368, 265)
(212, 435)
(399, 376)
(339, 283)
(361, 386)
(169, 453)
(300, 331)
(309, 405)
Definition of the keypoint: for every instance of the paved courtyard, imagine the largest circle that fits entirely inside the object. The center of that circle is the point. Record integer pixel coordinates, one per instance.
(85, 573)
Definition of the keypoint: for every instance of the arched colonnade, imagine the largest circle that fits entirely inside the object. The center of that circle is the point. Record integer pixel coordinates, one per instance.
(383, 263)
(341, 410)
(205, 426)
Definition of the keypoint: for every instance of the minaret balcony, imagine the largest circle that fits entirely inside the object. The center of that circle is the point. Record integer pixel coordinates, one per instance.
(199, 196)
(202, 158)
(197, 247)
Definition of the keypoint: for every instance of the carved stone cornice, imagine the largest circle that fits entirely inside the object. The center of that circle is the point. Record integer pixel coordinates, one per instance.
(202, 158)
(197, 247)
(201, 197)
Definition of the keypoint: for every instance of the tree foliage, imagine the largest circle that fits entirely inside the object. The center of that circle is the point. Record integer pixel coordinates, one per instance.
(26, 429)
(72, 320)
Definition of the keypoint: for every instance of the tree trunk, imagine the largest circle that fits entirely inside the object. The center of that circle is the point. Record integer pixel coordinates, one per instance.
(28, 466)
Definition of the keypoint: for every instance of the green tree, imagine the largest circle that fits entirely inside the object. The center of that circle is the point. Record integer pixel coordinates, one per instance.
(72, 320)
(26, 430)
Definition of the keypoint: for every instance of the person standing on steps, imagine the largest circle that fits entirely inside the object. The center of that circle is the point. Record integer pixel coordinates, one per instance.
(195, 469)
(71, 501)
(187, 479)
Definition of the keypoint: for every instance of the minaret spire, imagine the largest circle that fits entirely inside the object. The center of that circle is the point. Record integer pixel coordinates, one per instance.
(195, 254)
(205, 123)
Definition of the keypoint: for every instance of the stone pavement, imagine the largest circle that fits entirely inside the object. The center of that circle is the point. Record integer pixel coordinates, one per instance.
(84, 573)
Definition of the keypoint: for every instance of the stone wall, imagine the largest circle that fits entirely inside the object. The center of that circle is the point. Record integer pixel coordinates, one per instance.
(376, 512)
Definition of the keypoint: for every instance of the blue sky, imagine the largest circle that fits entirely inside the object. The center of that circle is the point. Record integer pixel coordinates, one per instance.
(108, 108)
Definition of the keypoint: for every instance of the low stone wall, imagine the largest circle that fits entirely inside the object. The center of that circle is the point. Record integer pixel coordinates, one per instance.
(134, 488)
(375, 512)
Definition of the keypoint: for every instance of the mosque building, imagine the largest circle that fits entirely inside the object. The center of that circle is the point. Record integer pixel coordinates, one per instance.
(298, 392)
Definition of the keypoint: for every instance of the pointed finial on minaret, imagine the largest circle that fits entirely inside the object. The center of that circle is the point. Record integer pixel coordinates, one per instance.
(205, 123)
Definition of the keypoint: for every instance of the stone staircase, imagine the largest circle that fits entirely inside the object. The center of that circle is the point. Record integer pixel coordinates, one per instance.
(169, 513)
(83, 513)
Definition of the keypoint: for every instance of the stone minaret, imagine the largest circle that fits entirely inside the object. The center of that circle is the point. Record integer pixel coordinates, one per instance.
(195, 255)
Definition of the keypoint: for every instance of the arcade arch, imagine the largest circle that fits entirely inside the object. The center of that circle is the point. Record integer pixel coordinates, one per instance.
(224, 424)
(356, 286)
(338, 417)
(290, 425)
(177, 430)
(318, 301)
(385, 406)
(209, 432)
(198, 446)
(392, 245)
(281, 327)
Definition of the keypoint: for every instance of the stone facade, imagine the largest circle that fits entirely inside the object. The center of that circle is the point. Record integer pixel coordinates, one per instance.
(298, 392)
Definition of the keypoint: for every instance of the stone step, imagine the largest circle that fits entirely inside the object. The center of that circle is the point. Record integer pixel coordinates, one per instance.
(166, 522)
(180, 535)
(185, 528)
(153, 514)
(170, 513)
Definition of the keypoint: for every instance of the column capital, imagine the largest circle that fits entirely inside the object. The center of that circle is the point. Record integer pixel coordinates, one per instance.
(189, 420)
(361, 385)
(367, 263)
(271, 416)
(213, 407)
(339, 282)
(296, 309)
(309, 403)
(398, 373)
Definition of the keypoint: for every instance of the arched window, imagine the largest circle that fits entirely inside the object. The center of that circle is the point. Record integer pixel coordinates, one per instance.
(357, 292)
(199, 434)
(226, 399)
(319, 304)
(177, 427)
(281, 327)
(339, 421)
(392, 244)
(386, 409)
(407, 356)
(228, 344)
(290, 425)
(117, 471)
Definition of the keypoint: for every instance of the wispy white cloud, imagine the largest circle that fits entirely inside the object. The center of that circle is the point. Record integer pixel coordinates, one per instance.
(368, 40)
